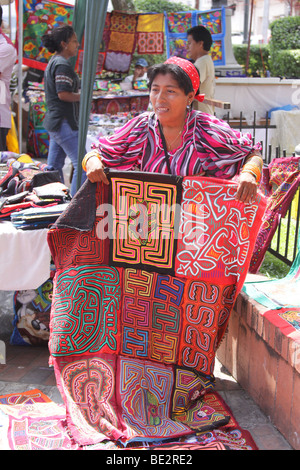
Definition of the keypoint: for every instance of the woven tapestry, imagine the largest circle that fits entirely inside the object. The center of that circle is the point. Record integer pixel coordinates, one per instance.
(141, 301)
(177, 24)
(38, 18)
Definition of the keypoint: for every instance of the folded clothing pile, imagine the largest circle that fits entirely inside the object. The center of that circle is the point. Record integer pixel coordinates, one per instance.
(37, 217)
(30, 185)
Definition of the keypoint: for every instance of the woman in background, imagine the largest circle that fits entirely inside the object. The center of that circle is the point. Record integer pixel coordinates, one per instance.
(62, 99)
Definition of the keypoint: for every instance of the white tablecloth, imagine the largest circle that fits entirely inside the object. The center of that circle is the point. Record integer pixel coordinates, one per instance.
(287, 134)
(24, 258)
(256, 94)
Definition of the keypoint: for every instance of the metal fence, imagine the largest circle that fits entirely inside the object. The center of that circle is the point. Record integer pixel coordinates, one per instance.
(285, 241)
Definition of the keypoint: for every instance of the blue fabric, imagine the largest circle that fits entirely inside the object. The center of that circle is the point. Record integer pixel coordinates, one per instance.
(62, 143)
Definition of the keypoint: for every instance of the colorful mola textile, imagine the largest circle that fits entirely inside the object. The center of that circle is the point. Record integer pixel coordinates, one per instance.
(177, 24)
(40, 16)
(150, 33)
(287, 320)
(31, 421)
(122, 41)
(284, 179)
(25, 398)
(141, 300)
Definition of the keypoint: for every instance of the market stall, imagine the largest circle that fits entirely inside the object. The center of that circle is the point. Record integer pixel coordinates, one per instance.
(136, 102)
(108, 109)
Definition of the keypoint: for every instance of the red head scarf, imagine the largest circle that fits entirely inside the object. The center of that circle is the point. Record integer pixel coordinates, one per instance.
(191, 71)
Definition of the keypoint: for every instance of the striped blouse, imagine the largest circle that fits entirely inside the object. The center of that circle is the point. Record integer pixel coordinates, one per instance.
(207, 144)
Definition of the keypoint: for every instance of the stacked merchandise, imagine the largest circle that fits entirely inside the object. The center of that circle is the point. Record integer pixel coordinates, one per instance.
(30, 185)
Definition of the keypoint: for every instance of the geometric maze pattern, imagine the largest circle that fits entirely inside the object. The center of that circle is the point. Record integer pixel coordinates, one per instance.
(144, 224)
(151, 316)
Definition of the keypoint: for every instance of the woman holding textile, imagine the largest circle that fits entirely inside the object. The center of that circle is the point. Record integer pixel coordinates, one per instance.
(177, 140)
(135, 321)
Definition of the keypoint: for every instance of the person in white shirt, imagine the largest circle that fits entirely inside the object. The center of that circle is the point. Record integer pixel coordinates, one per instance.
(199, 42)
(8, 57)
(140, 72)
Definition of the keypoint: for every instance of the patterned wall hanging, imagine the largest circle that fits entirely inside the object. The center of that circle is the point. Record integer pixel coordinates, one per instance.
(122, 41)
(134, 334)
(150, 33)
(38, 137)
(38, 18)
(177, 24)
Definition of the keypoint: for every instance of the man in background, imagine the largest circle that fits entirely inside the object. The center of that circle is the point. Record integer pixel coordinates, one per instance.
(140, 72)
(8, 57)
(199, 42)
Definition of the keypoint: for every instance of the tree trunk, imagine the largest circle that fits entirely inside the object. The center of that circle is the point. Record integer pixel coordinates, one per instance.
(123, 5)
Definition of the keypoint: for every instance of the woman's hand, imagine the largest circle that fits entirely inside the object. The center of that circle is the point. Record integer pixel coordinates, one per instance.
(247, 188)
(95, 170)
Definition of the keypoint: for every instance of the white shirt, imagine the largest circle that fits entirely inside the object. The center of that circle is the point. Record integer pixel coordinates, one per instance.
(206, 68)
(8, 57)
(130, 78)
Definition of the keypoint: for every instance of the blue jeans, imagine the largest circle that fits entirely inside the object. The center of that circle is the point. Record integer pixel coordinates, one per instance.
(62, 143)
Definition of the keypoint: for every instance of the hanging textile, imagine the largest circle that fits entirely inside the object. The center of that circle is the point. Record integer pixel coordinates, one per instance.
(150, 33)
(177, 24)
(122, 41)
(38, 18)
(38, 137)
(147, 272)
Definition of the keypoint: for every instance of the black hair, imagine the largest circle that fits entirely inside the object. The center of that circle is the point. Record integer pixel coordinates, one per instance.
(200, 33)
(53, 39)
(183, 80)
(1, 14)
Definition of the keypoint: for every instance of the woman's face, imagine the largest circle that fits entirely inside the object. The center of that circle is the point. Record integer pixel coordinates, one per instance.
(168, 100)
(72, 45)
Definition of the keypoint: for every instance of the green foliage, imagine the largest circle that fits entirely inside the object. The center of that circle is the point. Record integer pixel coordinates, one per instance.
(286, 63)
(285, 47)
(258, 58)
(285, 33)
(281, 57)
(273, 268)
(159, 6)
